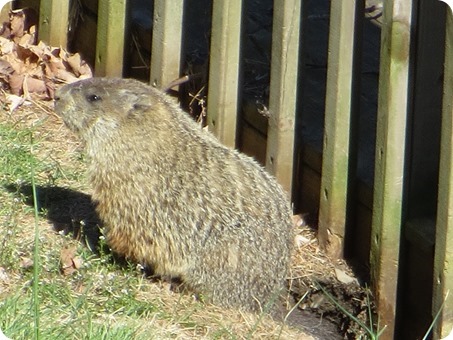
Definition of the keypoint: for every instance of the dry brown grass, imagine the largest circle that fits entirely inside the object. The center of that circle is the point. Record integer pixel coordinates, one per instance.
(98, 281)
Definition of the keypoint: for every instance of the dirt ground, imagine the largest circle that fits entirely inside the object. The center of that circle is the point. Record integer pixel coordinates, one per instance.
(313, 276)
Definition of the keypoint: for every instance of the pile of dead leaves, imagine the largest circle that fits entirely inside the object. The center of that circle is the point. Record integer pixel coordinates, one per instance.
(27, 67)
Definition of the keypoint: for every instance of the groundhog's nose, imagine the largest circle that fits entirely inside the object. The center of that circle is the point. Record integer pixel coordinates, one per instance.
(61, 92)
(58, 99)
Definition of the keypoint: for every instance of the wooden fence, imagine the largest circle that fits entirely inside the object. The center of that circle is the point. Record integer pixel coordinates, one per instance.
(400, 224)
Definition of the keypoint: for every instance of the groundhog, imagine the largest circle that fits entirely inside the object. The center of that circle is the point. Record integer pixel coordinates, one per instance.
(173, 198)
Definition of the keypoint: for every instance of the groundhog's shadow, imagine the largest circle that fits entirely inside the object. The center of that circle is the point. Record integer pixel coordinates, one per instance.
(69, 211)
(73, 213)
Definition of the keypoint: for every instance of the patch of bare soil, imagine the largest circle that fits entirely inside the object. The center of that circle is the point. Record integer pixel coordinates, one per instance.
(324, 287)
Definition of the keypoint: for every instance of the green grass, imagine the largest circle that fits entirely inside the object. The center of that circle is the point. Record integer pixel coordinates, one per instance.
(102, 299)
(81, 307)
(64, 314)
(15, 169)
(98, 302)
(36, 246)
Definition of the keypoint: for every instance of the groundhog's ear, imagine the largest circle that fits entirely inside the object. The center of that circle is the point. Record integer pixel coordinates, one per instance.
(141, 107)
(138, 110)
(136, 104)
(142, 102)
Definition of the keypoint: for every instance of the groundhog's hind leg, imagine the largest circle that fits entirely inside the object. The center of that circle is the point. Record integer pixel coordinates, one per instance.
(256, 295)
(239, 279)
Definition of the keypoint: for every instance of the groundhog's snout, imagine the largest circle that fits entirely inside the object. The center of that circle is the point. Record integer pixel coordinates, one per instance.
(62, 103)
(57, 101)
(62, 98)
(59, 94)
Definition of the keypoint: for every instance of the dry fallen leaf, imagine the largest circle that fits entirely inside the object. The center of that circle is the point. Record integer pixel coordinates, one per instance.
(70, 263)
(5, 30)
(6, 46)
(26, 262)
(5, 68)
(33, 85)
(14, 102)
(17, 23)
(15, 84)
(28, 68)
(21, 23)
(298, 220)
(300, 240)
(343, 277)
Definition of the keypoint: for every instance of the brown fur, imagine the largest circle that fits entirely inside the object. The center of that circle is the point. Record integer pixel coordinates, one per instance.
(173, 198)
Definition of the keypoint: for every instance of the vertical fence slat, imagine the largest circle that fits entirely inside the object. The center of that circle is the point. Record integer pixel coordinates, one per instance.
(4, 11)
(224, 70)
(337, 127)
(166, 44)
(111, 28)
(53, 22)
(443, 272)
(283, 91)
(390, 148)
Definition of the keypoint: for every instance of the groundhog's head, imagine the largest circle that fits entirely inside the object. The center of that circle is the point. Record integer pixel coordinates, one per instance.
(97, 107)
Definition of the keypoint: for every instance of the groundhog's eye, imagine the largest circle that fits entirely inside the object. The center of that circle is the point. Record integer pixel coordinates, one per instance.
(93, 98)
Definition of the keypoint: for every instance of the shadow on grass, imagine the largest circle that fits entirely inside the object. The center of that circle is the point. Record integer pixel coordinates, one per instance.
(69, 211)
(73, 212)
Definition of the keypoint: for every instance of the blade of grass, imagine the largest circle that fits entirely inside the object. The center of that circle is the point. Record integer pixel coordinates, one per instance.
(285, 320)
(373, 335)
(265, 311)
(36, 264)
(436, 317)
